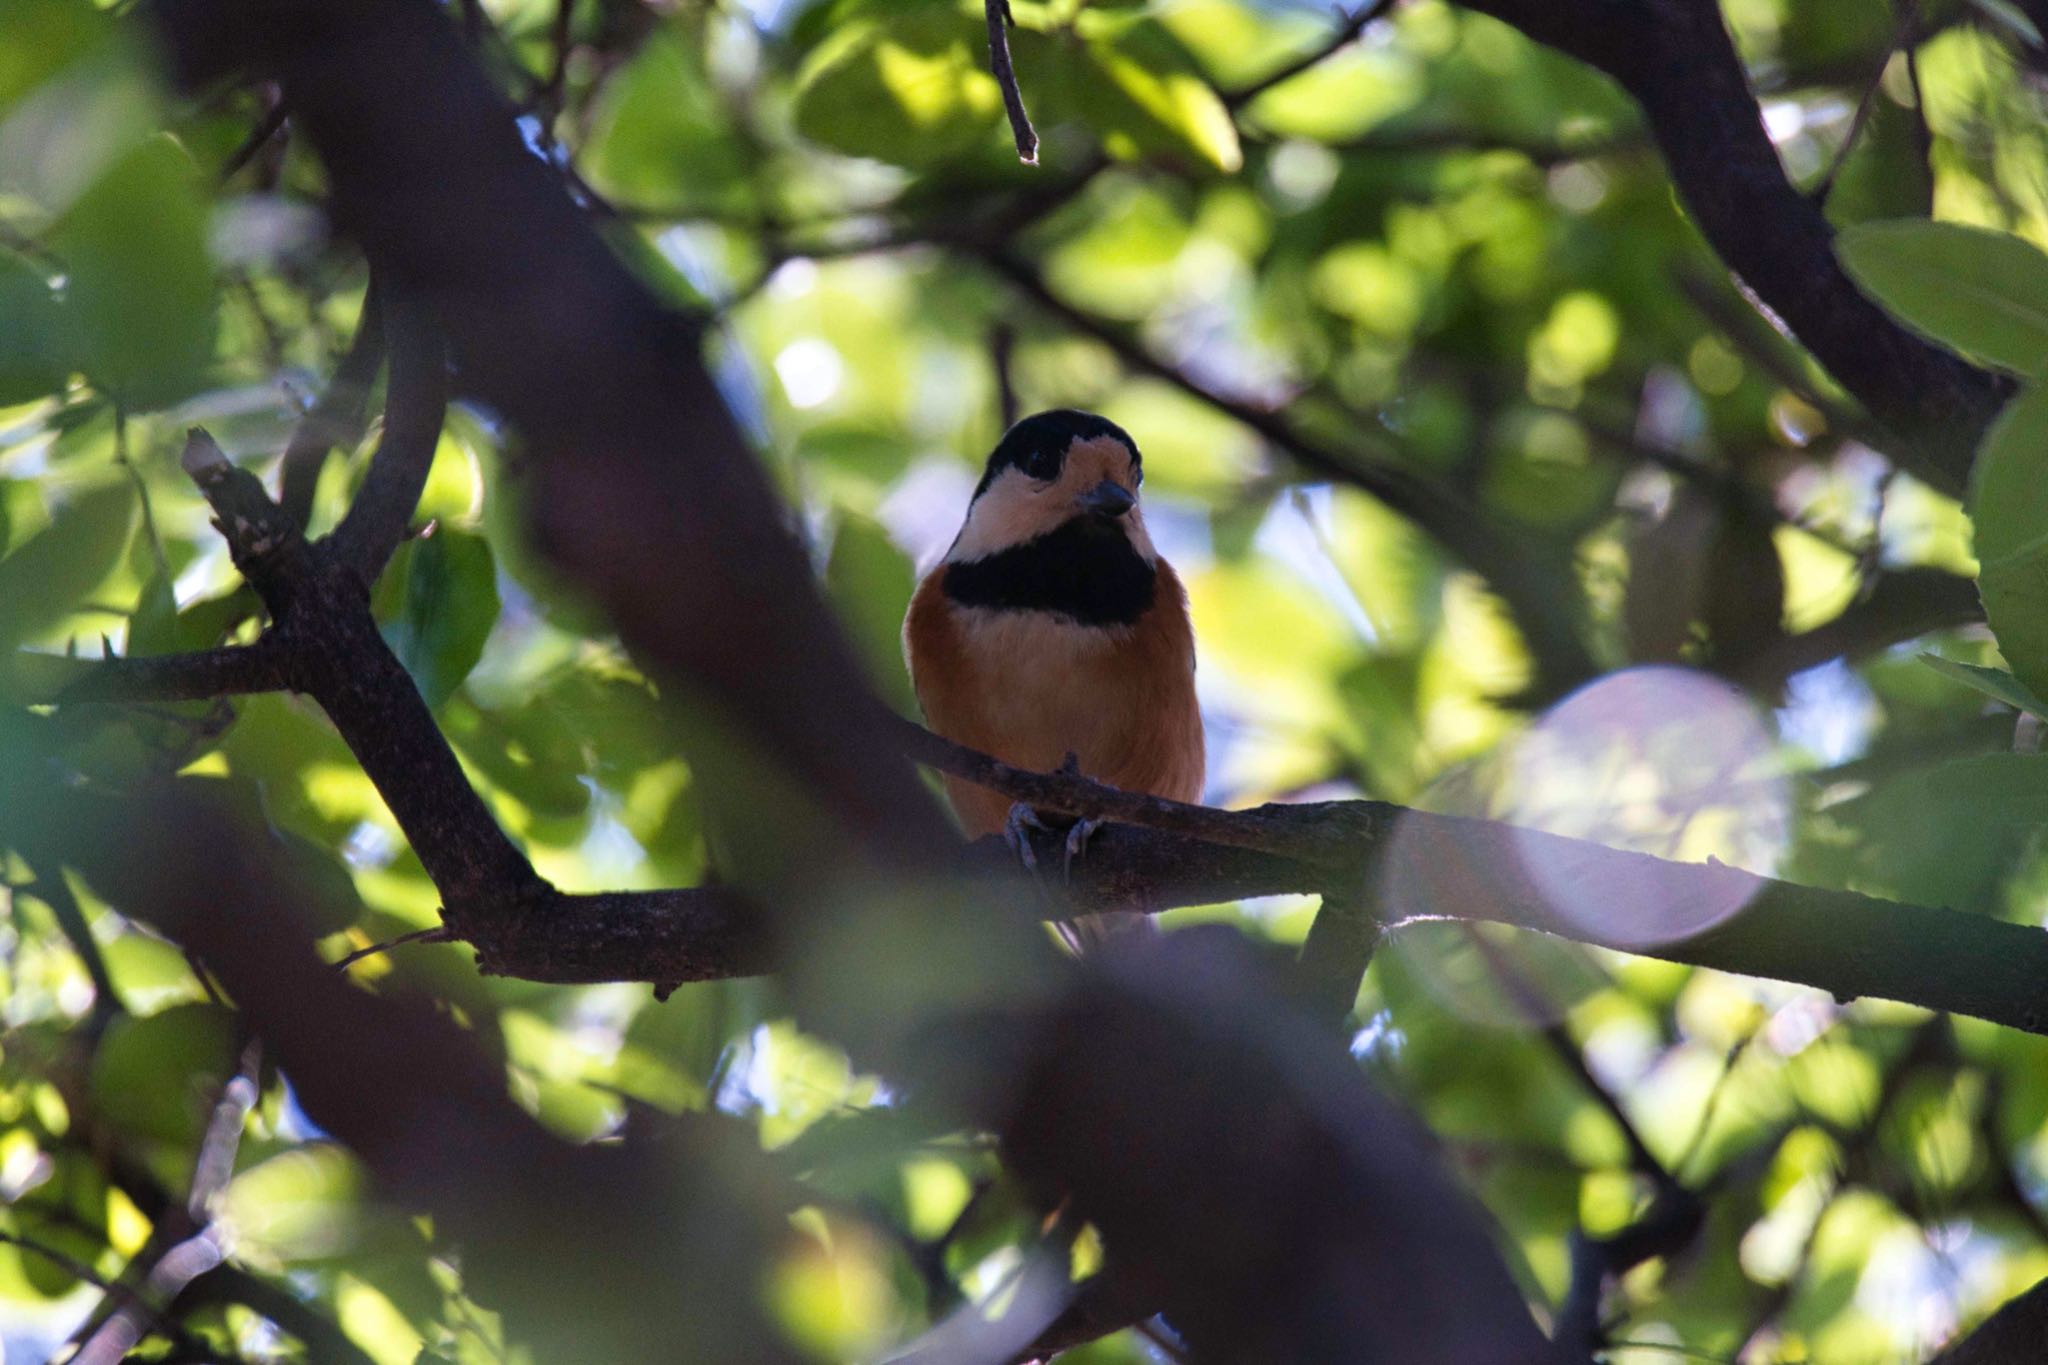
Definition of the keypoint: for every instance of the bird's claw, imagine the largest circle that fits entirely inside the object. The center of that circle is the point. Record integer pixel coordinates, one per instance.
(1017, 829)
(1077, 844)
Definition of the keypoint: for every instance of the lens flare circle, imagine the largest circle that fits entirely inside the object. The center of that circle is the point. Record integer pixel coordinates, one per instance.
(1659, 760)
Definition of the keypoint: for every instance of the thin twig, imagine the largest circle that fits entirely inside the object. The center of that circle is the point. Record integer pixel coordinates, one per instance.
(438, 933)
(1902, 37)
(1346, 33)
(998, 13)
(265, 128)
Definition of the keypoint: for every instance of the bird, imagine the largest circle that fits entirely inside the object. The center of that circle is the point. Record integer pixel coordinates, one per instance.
(1052, 634)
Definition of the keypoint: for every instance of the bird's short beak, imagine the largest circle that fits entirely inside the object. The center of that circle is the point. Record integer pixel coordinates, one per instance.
(1108, 499)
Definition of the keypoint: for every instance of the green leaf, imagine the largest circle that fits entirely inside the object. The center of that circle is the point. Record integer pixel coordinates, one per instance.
(156, 1077)
(662, 133)
(1136, 86)
(1984, 293)
(1948, 834)
(38, 38)
(1995, 683)
(44, 580)
(139, 280)
(869, 581)
(912, 90)
(2009, 505)
(33, 348)
(448, 609)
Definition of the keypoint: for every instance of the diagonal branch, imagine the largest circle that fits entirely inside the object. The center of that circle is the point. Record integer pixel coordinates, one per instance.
(336, 417)
(415, 403)
(1676, 59)
(1346, 34)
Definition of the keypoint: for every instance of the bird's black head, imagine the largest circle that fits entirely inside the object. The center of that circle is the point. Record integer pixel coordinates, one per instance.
(1038, 445)
(1055, 524)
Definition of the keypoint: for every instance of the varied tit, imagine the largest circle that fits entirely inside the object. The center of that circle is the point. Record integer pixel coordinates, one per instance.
(1052, 627)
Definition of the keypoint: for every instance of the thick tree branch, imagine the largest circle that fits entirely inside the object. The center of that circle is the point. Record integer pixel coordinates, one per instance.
(1904, 604)
(1676, 59)
(2011, 1336)
(1162, 855)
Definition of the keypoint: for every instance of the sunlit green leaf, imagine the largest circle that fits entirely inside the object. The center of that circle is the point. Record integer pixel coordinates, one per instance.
(1995, 683)
(1984, 293)
(139, 283)
(43, 580)
(913, 89)
(2009, 504)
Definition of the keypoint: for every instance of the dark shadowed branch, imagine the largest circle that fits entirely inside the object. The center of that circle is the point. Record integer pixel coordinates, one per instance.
(2011, 1336)
(412, 1095)
(1676, 59)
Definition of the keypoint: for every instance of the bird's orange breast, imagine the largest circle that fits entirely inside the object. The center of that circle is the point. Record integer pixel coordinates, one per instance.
(1030, 687)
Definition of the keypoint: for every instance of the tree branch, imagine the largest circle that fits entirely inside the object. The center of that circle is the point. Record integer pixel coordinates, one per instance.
(1161, 855)
(336, 417)
(998, 15)
(415, 404)
(1677, 61)
(2011, 1336)
(1346, 34)
(232, 670)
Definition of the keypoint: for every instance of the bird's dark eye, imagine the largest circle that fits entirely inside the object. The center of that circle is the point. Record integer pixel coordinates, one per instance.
(1041, 464)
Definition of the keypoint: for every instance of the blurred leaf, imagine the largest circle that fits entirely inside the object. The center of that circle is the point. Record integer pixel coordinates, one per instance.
(139, 281)
(1946, 834)
(1886, 174)
(157, 1077)
(296, 1206)
(2009, 506)
(1982, 292)
(2011, 16)
(662, 134)
(34, 351)
(1995, 683)
(910, 90)
(869, 582)
(39, 37)
(1136, 87)
(43, 581)
(449, 606)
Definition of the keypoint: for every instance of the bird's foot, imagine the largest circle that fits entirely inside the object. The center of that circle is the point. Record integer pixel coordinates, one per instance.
(1017, 833)
(1077, 844)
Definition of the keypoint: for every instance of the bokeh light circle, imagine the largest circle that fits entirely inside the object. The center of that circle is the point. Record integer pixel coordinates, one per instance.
(1659, 760)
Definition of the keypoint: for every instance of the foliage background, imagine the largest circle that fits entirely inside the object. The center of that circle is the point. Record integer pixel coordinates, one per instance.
(1441, 251)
